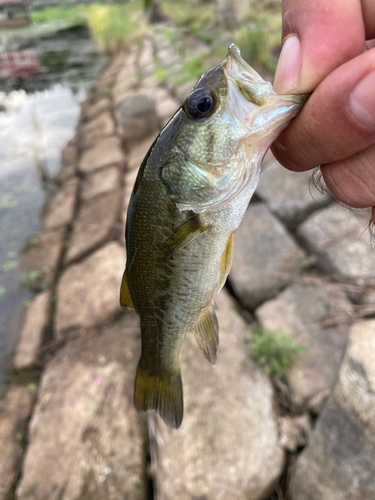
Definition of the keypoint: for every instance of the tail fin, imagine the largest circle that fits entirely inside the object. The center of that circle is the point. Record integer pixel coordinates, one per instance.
(163, 394)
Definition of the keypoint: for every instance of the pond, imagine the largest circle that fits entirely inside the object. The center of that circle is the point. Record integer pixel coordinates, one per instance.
(39, 110)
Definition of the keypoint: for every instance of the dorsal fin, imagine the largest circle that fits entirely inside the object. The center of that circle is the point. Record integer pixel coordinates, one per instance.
(125, 297)
(226, 260)
(206, 334)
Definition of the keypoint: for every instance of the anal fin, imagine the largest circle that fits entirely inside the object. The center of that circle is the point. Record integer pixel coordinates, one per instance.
(125, 297)
(226, 260)
(206, 334)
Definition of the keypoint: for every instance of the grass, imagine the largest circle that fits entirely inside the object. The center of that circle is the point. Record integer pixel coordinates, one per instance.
(114, 26)
(274, 350)
(73, 14)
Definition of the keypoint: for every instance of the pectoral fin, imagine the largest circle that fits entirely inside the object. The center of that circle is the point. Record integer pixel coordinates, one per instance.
(125, 297)
(226, 262)
(183, 235)
(206, 334)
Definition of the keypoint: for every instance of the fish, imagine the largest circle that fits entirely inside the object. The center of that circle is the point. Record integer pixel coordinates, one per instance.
(191, 192)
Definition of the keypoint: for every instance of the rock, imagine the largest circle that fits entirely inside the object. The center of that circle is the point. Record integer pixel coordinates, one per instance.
(15, 410)
(96, 223)
(289, 194)
(139, 151)
(100, 182)
(338, 464)
(165, 109)
(263, 247)
(88, 292)
(61, 206)
(102, 105)
(69, 154)
(124, 88)
(316, 403)
(137, 117)
(299, 311)
(127, 80)
(105, 153)
(44, 256)
(184, 90)
(339, 241)
(97, 128)
(66, 173)
(227, 446)
(168, 58)
(85, 431)
(294, 432)
(31, 338)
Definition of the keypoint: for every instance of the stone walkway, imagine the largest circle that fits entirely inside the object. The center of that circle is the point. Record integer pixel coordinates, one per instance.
(301, 263)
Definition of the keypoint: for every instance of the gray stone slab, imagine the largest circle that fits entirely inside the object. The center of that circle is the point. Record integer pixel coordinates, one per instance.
(227, 446)
(67, 172)
(96, 224)
(86, 439)
(103, 104)
(184, 90)
(338, 464)
(294, 431)
(61, 206)
(88, 292)
(69, 154)
(289, 194)
(36, 321)
(166, 108)
(100, 182)
(124, 88)
(97, 128)
(263, 247)
(299, 310)
(138, 152)
(341, 242)
(137, 118)
(106, 152)
(15, 410)
(44, 256)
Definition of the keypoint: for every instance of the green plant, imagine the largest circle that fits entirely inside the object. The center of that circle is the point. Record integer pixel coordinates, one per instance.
(9, 265)
(72, 14)
(274, 350)
(8, 201)
(114, 26)
(32, 278)
(2, 290)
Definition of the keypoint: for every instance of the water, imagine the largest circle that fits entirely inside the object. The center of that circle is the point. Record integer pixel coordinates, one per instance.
(39, 117)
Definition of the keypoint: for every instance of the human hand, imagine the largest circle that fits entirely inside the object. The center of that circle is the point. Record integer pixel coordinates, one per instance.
(329, 48)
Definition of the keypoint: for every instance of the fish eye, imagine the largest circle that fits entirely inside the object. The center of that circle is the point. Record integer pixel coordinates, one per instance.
(201, 103)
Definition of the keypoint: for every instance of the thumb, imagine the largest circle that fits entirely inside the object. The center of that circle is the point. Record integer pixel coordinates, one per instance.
(318, 36)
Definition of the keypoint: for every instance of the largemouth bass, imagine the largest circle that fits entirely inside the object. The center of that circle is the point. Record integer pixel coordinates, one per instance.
(191, 192)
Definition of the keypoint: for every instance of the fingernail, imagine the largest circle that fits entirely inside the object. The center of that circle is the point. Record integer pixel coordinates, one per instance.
(362, 100)
(289, 66)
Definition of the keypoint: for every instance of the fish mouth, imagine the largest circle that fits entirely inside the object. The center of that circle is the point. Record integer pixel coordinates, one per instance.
(238, 68)
(251, 84)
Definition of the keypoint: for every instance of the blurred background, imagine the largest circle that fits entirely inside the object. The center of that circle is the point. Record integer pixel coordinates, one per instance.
(289, 411)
